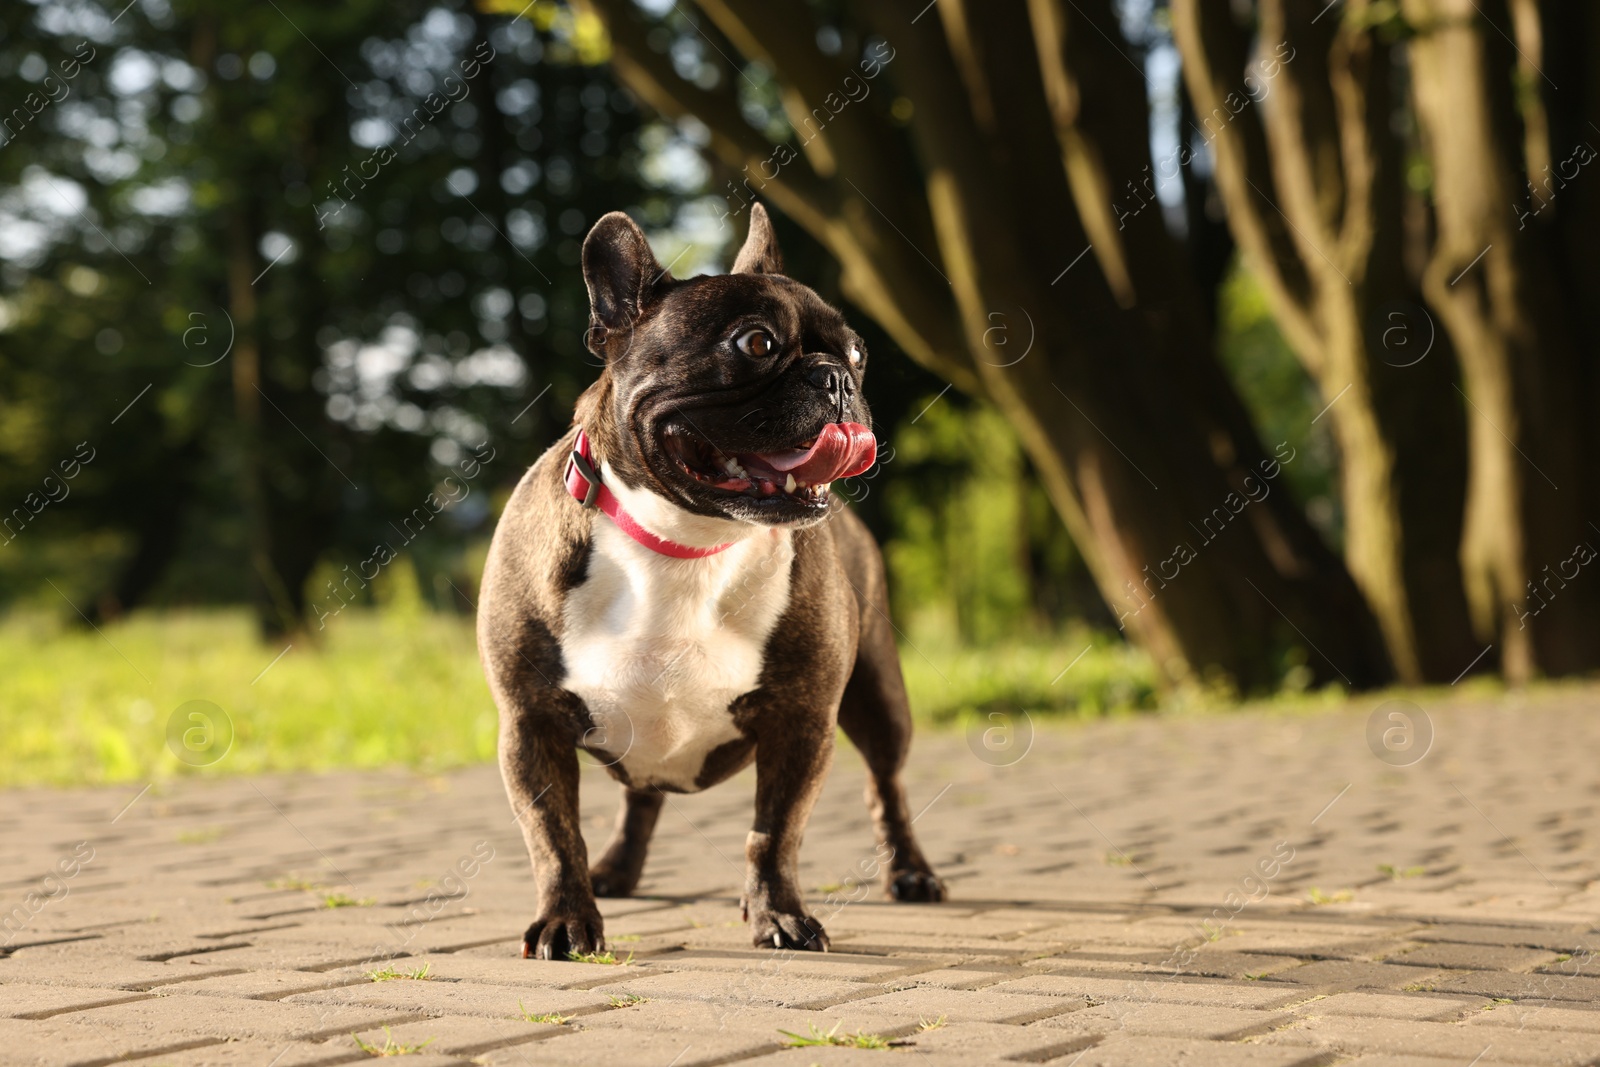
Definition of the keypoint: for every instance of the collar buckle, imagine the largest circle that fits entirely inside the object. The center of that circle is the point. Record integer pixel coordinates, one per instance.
(590, 476)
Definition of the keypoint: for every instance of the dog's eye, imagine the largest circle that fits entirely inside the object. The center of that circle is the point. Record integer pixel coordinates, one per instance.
(756, 343)
(855, 356)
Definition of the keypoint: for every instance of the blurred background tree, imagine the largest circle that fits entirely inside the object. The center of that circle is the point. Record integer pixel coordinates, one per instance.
(289, 299)
(1363, 155)
(276, 340)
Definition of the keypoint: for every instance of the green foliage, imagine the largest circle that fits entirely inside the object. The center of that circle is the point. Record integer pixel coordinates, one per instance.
(1078, 673)
(1280, 396)
(377, 691)
(976, 548)
(218, 181)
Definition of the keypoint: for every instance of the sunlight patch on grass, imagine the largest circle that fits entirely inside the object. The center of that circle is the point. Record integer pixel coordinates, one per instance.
(372, 690)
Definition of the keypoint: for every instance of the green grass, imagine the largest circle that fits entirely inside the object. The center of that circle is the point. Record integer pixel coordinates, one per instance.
(394, 974)
(342, 900)
(390, 1046)
(375, 690)
(626, 1000)
(550, 1017)
(599, 957)
(819, 1038)
(1045, 677)
(1400, 873)
(379, 688)
(1341, 896)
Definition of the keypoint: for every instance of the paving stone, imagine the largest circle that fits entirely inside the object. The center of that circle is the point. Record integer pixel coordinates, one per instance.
(54, 1043)
(457, 1035)
(1156, 991)
(1419, 1006)
(1384, 1059)
(1170, 1020)
(1475, 957)
(1494, 984)
(1348, 1036)
(1571, 939)
(1538, 1015)
(262, 985)
(455, 998)
(252, 1052)
(585, 1048)
(22, 1000)
(210, 1017)
(981, 1042)
(113, 973)
(967, 1006)
(766, 984)
(182, 944)
(962, 977)
(845, 966)
(1138, 1050)
(1349, 974)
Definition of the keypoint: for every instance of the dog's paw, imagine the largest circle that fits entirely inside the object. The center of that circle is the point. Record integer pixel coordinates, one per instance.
(775, 929)
(559, 934)
(920, 886)
(609, 881)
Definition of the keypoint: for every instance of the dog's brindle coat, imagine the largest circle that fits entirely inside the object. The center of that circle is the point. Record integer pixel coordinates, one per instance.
(677, 672)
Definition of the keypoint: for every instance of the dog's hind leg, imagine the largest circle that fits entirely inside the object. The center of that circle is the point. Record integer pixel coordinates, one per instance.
(616, 873)
(876, 717)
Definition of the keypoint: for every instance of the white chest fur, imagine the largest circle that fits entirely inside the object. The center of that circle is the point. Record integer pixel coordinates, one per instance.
(658, 647)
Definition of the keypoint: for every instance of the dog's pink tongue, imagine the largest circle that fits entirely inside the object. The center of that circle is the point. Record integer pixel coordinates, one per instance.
(843, 449)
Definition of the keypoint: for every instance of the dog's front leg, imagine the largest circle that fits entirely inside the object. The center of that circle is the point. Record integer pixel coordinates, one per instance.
(541, 774)
(791, 763)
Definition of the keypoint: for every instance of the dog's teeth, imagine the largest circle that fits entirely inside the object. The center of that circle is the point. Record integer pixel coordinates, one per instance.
(823, 488)
(788, 484)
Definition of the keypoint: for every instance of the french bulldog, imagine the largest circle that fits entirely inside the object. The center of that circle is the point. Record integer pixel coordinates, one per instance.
(673, 588)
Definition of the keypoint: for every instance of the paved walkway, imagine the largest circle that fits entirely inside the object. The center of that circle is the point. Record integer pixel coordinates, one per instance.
(1224, 890)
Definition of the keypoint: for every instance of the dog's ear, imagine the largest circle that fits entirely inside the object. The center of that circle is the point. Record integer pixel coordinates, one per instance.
(760, 252)
(621, 272)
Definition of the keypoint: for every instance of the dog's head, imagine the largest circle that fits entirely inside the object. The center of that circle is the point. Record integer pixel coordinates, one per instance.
(736, 396)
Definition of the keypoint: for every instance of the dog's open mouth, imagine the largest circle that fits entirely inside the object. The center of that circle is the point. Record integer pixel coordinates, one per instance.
(802, 472)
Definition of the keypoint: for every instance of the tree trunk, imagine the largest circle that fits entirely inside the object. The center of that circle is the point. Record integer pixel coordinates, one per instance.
(274, 607)
(1312, 185)
(1492, 281)
(1135, 433)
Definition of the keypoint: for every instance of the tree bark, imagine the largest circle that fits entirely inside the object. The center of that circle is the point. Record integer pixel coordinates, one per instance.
(1118, 413)
(1312, 185)
(1492, 281)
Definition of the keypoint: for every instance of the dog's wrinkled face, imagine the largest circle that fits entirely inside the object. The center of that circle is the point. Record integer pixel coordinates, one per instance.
(736, 396)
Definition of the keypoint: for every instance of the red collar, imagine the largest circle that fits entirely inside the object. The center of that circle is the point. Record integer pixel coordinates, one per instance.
(583, 482)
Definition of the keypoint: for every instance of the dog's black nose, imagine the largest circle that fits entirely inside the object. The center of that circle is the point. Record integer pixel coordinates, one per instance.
(824, 376)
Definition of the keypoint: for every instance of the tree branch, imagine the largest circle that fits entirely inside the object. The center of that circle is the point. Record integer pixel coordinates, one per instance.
(895, 287)
(1214, 53)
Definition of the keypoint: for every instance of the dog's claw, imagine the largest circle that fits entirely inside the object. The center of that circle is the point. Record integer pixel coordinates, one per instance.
(780, 931)
(557, 936)
(916, 886)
